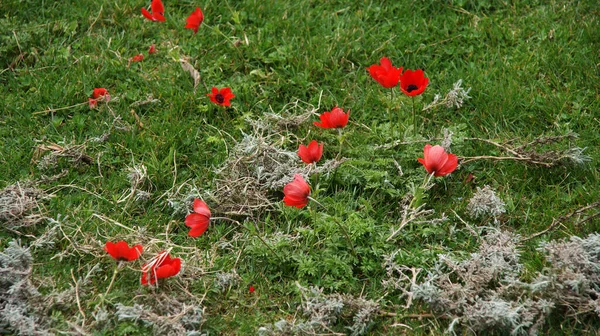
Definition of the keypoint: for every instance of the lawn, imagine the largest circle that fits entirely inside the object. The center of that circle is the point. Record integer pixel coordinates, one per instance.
(505, 243)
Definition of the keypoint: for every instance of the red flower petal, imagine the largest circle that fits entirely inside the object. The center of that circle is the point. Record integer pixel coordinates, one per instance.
(386, 74)
(161, 266)
(311, 153)
(195, 20)
(413, 83)
(157, 7)
(169, 269)
(201, 208)
(334, 119)
(147, 14)
(99, 92)
(122, 252)
(296, 192)
(198, 224)
(221, 97)
(159, 17)
(436, 161)
(449, 166)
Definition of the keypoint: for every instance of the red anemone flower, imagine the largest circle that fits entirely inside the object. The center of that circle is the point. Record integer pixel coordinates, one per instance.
(93, 103)
(158, 11)
(195, 20)
(101, 92)
(334, 119)
(160, 267)
(221, 97)
(251, 289)
(413, 83)
(386, 74)
(198, 220)
(152, 49)
(137, 58)
(312, 153)
(437, 161)
(296, 192)
(122, 252)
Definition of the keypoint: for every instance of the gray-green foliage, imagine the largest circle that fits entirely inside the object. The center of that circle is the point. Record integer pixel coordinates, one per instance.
(19, 311)
(485, 290)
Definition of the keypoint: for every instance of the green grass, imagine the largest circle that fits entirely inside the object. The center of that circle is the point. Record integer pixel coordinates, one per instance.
(532, 67)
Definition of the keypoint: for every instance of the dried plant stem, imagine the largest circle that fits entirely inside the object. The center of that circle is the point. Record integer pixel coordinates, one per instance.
(59, 109)
(419, 316)
(77, 298)
(414, 209)
(527, 151)
(466, 159)
(561, 219)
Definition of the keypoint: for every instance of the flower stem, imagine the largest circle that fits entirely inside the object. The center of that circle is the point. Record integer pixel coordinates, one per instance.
(414, 117)
(340, 141)
(112, 281)
(343, 229)
(418, 196)
(315, 180)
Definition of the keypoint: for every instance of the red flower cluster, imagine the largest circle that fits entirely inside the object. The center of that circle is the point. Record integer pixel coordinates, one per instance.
(160, 267)
(312, 153)
(98, 94)
(437, 161)
(199, 219)
(412, 83)
(158, 14)
(221, 97)
(296, 192)
(334, 119)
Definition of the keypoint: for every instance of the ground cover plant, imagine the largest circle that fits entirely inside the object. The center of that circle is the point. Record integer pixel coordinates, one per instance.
(299, 168)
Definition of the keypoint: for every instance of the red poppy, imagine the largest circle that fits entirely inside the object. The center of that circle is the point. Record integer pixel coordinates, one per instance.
(101, 92)
(158, 11)
(160, 267)
(387, 75)
(198, 220)
(221, 97)
(137, 58)
(251, 289)
(296, 192)
(413, 83)
(122, 252)
(195, 20)
(334, 119)
(312, 153)
(93, 103)
(152, 49)
(437, 161)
